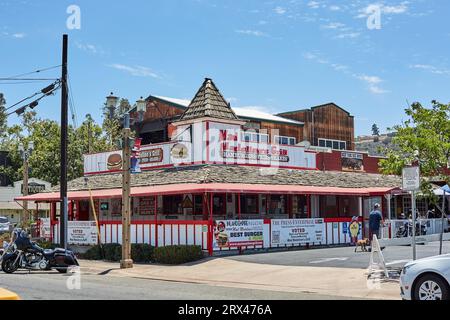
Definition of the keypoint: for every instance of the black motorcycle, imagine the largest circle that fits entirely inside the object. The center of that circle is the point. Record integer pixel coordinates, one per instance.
(28, 255)
(406, 230)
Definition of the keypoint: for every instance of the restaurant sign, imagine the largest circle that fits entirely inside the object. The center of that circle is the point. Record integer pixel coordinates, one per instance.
(238, 233)
(82, 233)
(297, 231)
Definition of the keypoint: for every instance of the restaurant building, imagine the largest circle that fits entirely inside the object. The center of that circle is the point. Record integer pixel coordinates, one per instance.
(224, 180)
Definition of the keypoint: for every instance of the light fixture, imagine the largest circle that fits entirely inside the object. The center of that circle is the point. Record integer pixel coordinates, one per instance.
(111, 104)
(141, 105)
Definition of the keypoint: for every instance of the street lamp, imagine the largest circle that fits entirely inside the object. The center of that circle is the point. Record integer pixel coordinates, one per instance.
(127, 144)
(25, 154)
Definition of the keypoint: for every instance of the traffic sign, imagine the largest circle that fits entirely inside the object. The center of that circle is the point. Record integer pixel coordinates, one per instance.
(411, 179)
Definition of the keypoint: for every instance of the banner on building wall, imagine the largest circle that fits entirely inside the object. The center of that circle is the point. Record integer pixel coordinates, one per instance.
(352, 161)
(238, 233)
(297, 231)
(82, 233)
(45, 228)
(227, 144)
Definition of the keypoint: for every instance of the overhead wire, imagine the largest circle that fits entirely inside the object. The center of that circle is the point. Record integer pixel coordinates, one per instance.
(32, 72)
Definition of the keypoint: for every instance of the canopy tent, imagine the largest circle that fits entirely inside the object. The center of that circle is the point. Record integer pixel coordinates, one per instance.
(209, 188)
(440, 192)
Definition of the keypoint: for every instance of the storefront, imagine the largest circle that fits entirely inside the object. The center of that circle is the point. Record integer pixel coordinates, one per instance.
(221, 186)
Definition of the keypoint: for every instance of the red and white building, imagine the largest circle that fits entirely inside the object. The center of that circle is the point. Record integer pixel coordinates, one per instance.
(223, 184)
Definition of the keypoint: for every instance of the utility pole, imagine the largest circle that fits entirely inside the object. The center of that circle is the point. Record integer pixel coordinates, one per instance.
(126, 261)
(26, 216)
(25, 153)
(64, 124)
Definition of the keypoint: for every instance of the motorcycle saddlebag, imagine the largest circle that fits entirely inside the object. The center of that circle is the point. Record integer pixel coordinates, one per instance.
(64, 259)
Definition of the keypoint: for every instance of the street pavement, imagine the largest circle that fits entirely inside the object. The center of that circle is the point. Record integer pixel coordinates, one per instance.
(334, 273)
(395, 257)
(53, 286)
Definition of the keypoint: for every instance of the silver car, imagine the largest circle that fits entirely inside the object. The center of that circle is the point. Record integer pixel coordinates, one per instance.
(5, 225)
(426, 279)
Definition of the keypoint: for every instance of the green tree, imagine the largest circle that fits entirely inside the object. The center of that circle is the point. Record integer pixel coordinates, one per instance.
(376, 132)
(424, 137)
(45, 159)
(112, 122)
(3, 118)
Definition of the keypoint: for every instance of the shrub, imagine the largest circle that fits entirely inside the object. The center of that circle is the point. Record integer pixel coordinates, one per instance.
(112, 251)
(94, 253)
(178, 254)
(142, 253)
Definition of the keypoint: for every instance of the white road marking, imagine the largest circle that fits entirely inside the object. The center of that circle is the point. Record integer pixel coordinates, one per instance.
(329, 260)
(397, 262)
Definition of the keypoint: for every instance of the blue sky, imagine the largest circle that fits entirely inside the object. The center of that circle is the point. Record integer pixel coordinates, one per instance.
(272, 55)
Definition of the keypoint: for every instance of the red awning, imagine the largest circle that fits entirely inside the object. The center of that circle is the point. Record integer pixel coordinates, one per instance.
(211, 187)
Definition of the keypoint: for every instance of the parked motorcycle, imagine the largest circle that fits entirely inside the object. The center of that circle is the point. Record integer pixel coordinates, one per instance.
(28, 255)
(406, 230)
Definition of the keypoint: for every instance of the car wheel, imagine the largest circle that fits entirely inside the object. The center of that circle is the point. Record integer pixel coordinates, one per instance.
(431, 287)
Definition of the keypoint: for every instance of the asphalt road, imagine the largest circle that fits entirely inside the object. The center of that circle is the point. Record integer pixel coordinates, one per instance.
(395, 256)
(53, 286)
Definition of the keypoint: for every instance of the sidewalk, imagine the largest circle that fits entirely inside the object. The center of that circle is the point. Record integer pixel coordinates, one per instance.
(344, 282)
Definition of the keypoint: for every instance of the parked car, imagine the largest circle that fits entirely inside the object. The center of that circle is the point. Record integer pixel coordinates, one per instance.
(426, 279)
(5, 225)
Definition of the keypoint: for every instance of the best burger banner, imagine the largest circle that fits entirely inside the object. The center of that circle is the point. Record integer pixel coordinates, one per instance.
(297, 231)
(238, 233)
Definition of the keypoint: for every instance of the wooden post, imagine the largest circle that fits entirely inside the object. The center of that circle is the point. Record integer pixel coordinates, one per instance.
(126, 261)
(156, 222)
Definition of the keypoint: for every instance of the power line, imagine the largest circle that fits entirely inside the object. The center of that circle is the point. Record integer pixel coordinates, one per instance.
(37, 71)
(28, 79)
(49, 90)
(72, 103)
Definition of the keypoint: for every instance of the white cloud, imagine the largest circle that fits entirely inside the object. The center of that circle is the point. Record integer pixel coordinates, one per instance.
(351, 35)
(280, 10)
(93, 49)
(333, 25)
(255, 33)
(430, 68)
(137, 71)
(314, 4)
(334, 8)
(232, 99)
(373, 83)
(19, 35)
(371, 8)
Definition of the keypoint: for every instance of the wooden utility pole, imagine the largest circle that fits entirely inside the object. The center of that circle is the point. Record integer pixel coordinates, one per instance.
(64, 124)
(26, 216)
(126, 261)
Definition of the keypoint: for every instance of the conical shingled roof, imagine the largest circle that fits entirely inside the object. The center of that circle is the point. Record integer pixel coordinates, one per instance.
(209, 102)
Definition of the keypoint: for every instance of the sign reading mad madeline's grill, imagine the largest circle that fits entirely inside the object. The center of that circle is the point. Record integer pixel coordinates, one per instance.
(208, 142)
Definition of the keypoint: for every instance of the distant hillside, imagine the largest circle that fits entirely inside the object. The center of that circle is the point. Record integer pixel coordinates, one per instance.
(372, 146)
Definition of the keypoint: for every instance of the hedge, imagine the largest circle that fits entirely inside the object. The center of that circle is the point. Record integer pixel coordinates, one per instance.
(144, 253)
(178, 254)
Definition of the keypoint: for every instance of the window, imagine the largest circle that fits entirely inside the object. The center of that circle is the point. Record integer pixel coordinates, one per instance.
(173, 204)
(250, 136)
(277, 204)
(286, 141)
(249, 204)
(333, 144)
(198, 204)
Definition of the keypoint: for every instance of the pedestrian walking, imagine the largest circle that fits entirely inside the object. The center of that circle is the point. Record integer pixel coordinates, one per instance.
(375, 222)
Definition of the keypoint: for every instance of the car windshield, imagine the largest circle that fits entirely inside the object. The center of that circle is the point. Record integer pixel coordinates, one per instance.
(3, 220)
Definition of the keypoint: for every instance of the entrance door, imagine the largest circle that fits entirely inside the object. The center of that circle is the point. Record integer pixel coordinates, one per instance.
(367, 209)
(83, 210)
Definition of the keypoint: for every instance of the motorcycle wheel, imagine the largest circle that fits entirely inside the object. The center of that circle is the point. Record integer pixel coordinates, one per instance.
(8, 265)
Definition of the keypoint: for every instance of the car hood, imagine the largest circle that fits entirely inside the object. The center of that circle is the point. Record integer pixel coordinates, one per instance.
(445, 257)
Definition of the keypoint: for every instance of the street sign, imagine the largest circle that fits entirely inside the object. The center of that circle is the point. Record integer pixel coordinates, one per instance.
(411, 179)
